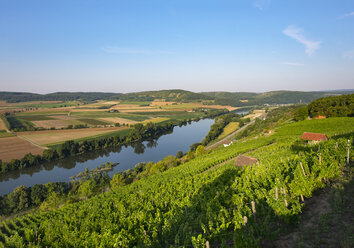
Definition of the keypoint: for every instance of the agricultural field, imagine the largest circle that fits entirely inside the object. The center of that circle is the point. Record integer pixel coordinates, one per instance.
(49, 137)
(17, 148)
(50, 123)
(99, 113)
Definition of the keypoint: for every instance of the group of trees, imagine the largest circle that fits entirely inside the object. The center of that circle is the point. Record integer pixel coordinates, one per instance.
(334, 106)
(51, 195)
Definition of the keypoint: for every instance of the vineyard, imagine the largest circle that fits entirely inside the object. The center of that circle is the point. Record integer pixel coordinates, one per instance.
(207, 200)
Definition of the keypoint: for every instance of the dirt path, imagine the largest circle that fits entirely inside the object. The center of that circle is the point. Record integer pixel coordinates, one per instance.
(30, 141)
(230, 136)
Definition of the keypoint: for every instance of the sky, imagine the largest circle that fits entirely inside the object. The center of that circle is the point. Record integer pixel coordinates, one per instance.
(198, 45)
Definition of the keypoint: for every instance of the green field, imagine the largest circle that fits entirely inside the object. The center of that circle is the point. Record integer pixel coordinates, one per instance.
(34, 118)
(93, 122)
(205, 199)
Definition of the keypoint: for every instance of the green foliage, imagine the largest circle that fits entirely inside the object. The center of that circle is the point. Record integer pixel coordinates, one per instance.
(202, 200)
(301, 114)
(335, 106)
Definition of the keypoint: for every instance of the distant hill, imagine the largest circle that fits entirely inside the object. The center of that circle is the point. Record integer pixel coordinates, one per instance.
(237, 99)
(58, 96)
(273, 97)
(168, 95)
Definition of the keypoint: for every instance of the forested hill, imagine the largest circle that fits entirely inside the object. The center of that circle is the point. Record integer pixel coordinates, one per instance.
(223, 98)
(57, 96)
(335, 106)
(272, 97)
(168, 95)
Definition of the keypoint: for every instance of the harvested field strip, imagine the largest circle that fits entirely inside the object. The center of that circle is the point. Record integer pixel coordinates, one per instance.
(136, 103)
(156, 120)
(230, 128)
(17, 148)
(118, 120)
(120, 133)
(52, 137)
(161, 113)
(57, 124)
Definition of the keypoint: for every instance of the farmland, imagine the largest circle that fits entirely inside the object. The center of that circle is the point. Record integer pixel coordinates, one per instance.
(49, 123)
(56, 136)
(16, 148)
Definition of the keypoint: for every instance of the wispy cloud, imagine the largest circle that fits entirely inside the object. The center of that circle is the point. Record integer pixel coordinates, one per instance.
(261, 4)
(297, 34)
(292, 64)
(348, 14)
(349, 54)
(125, 50)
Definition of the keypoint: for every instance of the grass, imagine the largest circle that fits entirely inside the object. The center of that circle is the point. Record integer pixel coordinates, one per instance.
(93, 122)
(4, 134)
(43, 113)
(35, 118)
(330, 127)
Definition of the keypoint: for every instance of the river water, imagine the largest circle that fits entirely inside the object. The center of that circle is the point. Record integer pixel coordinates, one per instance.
(127, 156)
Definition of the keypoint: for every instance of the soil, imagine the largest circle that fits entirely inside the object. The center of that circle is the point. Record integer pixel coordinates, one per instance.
(16, 148)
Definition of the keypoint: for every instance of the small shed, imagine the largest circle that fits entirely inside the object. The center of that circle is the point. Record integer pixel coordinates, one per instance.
(242, 160)
(314, 137)
(226, 143)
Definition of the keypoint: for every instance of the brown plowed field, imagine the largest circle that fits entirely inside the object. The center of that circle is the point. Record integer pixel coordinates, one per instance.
(55, 136)
(15, 147)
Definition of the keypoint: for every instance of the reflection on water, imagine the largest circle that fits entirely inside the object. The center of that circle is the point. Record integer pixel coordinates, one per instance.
(127, 155)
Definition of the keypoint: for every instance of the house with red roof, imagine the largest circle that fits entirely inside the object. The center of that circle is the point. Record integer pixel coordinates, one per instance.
(313, 138)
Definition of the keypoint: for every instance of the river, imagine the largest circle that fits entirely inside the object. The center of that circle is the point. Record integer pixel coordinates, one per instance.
(127, 156)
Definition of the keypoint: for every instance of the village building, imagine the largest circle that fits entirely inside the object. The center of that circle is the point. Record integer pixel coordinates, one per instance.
(242, 160)
(313, 138)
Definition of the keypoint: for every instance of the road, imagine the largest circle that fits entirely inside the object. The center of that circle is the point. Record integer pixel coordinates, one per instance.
(230, 136)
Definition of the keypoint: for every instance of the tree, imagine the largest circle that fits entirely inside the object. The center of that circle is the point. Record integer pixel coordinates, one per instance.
(301, 114)
(179, 154)
(117, 181)
(200, 150)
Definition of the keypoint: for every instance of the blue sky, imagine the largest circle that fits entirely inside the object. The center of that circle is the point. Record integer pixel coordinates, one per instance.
(207, 45)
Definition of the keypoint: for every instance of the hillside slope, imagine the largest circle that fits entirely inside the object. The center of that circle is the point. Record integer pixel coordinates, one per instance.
(206, 199)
